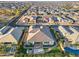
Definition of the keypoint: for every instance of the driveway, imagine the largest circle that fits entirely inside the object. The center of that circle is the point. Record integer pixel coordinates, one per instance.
(38, 50)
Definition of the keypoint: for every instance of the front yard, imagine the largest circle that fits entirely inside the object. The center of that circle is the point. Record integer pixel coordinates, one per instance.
(6, 49)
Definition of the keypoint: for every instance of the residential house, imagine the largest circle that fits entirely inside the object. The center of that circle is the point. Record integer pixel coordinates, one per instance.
(39, 34)
(11, 38)
(70, 34)
(39, 37)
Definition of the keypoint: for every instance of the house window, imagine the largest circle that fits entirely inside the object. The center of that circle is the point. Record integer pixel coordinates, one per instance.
(7, 43)
(37, 42)
(46, 43)
(28, 43)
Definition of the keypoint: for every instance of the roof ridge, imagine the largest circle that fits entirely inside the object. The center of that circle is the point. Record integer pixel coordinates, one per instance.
(34, 34)
(42, 33)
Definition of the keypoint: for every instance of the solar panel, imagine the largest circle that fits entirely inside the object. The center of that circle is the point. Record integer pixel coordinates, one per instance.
(77, 28)
(6, 29)
(67, 28)
(55, 18)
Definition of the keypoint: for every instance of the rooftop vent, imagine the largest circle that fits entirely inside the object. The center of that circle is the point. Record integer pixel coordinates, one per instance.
(41, 27)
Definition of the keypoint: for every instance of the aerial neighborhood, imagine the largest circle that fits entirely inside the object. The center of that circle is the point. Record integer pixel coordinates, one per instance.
(39, 29)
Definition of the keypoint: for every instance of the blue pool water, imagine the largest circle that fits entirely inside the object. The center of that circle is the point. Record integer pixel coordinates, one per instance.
(70, 50)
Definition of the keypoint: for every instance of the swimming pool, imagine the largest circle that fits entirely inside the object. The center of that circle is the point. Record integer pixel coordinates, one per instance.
(70, 50)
